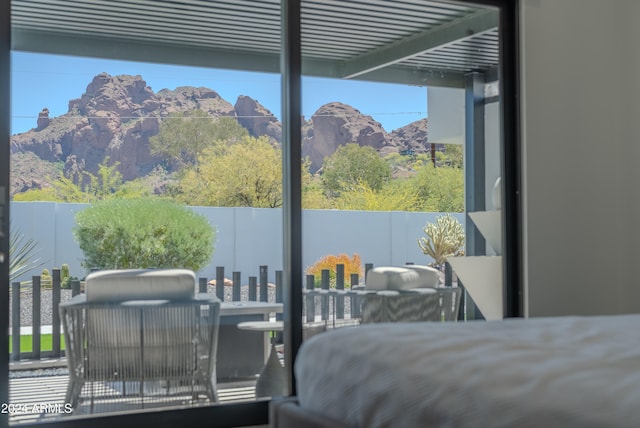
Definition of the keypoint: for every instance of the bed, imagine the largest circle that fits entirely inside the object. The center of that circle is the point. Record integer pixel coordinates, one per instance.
(543, 372)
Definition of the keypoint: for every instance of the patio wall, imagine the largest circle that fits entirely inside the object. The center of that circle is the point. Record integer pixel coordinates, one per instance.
(247, 238)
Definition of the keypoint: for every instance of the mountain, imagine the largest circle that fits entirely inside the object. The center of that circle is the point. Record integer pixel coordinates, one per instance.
(336, 124)
(117, 115)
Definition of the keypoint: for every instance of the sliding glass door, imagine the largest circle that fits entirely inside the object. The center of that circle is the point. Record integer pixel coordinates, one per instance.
(320, 149)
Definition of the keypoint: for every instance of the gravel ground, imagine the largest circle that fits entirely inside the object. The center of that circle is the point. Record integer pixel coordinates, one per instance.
(46, 305)
(53, 371)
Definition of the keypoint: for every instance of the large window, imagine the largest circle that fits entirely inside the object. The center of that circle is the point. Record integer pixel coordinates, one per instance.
(310, 144)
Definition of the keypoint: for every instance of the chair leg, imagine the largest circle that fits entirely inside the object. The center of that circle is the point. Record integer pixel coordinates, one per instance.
(72, 396)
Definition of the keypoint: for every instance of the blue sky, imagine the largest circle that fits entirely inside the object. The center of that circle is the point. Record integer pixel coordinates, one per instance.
(40, 80)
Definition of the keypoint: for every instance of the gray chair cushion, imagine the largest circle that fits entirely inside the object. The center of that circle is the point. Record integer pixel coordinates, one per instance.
(429, 277)
(140, 284)
(392, 278)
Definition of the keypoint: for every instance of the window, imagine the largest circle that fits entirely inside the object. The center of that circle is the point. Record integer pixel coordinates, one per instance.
(378, 50)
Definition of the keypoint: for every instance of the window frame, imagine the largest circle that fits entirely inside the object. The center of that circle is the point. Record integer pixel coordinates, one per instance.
(257, 413)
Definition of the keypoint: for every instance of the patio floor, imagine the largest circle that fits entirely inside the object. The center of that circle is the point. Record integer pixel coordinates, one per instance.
(41, 398)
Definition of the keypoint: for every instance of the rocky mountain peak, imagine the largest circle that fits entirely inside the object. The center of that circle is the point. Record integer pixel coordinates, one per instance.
(257, 119)
(188, 98)
(43, 119)
(336, 124)
(413, 137)
(117, 115)
(122, 94)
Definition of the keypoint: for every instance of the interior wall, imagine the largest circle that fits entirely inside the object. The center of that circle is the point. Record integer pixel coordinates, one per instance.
(579, 66)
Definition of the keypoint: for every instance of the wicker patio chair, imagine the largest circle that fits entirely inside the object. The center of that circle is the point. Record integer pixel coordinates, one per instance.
(406, 294)
(436, 304)
(139, 337)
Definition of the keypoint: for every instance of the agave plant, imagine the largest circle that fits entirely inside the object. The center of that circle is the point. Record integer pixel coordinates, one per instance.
(22, 252)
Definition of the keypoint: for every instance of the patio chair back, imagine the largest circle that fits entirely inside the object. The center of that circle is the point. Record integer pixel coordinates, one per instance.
(163, 344)
(434, 304)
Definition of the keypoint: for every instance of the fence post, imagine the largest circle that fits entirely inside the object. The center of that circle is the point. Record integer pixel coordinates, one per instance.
(75, 287)
(55, 314)
(236, 280)
(448, 275)
(311, 299)
(220, 282)
(203, 285)
(15, 321)
(367, 268)
(355, 300)
(324, 284)
(279, 292)
(35, 325)
(279, 299)
(264, 283)
(253, 289)
(339, 309)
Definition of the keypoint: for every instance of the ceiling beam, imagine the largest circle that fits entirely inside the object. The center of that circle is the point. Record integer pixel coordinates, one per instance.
(142, 51)
(454, 31)
(166, 53)
(406, 75)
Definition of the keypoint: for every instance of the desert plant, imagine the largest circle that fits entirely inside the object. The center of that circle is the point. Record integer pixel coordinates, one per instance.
(143, 233)
(351, 265)
(65, 276)
(444, 238)
(22, 253)
(45, 279)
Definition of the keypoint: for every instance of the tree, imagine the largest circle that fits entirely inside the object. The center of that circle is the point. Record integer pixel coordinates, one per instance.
(397, 195)
(245, 174)
(453, 156)
(106, 184)
(184, 136)
(352, 165)
(440, 189)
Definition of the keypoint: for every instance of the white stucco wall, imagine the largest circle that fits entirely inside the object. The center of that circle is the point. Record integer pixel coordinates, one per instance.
(247, 238)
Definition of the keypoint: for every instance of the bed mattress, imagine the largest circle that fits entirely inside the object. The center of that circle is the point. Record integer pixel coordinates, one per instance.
(543, 372)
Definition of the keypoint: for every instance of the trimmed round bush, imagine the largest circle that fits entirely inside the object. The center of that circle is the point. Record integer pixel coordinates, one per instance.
(143, 233)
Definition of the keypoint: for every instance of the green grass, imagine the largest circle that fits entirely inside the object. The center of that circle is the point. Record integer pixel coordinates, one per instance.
(46, 343)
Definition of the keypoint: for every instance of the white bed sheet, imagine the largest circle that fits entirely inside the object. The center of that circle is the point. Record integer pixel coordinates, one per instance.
(544, 372)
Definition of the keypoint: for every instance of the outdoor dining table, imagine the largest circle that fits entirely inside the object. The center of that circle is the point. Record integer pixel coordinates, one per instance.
(240, 354)
(271, 380)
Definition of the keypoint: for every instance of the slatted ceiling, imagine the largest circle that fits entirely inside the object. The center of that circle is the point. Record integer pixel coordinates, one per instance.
(406, 10)
(337, 33)
(476, 53)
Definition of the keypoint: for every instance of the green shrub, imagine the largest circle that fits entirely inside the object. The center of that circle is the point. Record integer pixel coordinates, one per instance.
(143, 233)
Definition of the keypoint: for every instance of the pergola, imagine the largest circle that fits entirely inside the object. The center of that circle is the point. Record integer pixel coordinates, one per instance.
(415, 42)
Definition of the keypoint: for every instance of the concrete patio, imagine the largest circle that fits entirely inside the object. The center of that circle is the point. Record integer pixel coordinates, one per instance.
(42, 398)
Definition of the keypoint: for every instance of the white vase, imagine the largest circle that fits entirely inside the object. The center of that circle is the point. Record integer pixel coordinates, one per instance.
(496, 194)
